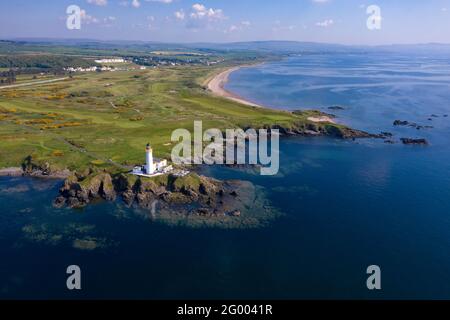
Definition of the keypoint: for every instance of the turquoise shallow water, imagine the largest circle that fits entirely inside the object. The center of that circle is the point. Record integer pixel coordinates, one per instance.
(346, 204)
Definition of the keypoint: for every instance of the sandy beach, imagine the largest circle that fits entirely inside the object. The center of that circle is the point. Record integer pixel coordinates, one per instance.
(217, 86)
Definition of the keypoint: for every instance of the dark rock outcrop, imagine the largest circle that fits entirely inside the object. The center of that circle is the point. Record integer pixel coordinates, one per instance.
(411, 124)
(336, 108)
(75, 193)
(401, 123)
(211, 197)
(40, 169)
(414, 141)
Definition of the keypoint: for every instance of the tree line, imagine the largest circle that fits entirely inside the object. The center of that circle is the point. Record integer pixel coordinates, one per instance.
(43, 62)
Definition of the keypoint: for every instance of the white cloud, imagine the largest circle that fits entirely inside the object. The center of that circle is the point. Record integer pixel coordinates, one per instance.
(162, 1)
(98, 2)
(102, 22)
(88, 19)
(320, 1)
(180, 15)
(238, 27)
(201, 12)
(137, 3)
(198, 7)
(279, 27)
(108, 21)
(325, 23)
(201, 17)
(233, 28)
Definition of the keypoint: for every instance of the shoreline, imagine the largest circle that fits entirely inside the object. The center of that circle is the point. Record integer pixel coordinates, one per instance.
(217, 86)
(19, 172)
(217, 83)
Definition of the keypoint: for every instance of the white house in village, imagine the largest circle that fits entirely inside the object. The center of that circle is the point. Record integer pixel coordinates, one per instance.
(153, 167)
(116, 60)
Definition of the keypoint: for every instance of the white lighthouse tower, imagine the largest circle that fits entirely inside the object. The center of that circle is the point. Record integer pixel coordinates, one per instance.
(149, 166)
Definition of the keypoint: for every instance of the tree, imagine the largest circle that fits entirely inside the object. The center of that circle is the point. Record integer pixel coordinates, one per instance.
(11, 76)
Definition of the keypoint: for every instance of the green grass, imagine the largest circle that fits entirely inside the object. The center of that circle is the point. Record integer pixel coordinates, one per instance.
(149, 105)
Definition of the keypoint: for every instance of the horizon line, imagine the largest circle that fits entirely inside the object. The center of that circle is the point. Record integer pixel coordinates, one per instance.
(30, 39)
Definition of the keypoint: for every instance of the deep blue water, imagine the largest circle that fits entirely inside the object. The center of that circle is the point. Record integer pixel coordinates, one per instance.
(346, 205)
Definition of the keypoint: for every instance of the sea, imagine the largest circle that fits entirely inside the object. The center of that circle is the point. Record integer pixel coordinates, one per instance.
(345, 205)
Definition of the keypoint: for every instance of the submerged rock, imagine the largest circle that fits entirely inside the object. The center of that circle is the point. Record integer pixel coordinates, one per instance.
(336, 108)
(386, 134)
(414, 141)
(411, 124)
(401, 123)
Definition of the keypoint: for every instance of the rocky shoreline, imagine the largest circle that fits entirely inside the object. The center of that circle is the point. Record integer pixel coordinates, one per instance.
(193, 200)
(35, 173)
(208, 194)
(170, 198)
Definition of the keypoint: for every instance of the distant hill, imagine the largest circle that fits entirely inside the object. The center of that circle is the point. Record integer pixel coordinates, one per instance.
(274, 47)
(418, 48)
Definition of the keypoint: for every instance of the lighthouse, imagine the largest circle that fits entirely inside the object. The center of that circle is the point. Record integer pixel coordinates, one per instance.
(149, 166)
(153, 167)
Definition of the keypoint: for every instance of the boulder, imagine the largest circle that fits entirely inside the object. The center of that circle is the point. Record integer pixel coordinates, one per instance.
(401, 123)
(235, 213)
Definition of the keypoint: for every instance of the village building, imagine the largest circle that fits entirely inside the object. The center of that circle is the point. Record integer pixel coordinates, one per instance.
(116, 60)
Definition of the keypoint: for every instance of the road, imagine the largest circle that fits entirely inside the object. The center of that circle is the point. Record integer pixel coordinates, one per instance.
(32, 83)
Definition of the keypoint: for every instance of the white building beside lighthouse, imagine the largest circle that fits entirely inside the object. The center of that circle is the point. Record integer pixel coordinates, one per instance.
(153, 167)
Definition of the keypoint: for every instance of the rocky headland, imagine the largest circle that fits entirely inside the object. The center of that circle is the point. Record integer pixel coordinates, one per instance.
(194, 198)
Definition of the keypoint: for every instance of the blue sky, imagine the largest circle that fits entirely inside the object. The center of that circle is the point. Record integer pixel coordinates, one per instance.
(335, 21)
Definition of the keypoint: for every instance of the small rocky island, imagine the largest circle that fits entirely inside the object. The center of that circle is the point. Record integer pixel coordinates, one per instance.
(193, 199)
